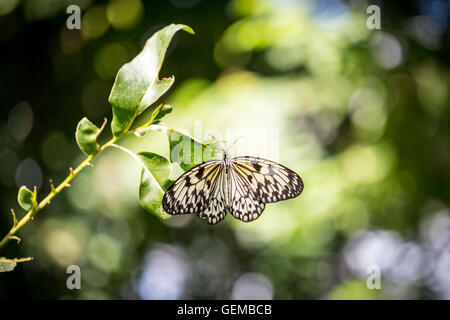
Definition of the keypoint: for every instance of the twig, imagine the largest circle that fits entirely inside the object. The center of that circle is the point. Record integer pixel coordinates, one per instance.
(54, 191)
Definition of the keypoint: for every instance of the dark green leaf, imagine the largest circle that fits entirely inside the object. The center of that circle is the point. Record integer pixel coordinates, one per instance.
(86, 136)
(137, 85)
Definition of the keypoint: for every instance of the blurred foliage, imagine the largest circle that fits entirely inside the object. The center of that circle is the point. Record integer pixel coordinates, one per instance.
(362, 115)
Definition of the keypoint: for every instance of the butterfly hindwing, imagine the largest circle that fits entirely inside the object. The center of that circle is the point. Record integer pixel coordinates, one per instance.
(244, 205)
(191, 192)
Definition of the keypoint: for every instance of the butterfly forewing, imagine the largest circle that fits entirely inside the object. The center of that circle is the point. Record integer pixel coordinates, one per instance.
(191, 192)
(269, 181)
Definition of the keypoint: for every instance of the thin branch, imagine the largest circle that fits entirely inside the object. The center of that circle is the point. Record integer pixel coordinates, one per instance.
(139, 160)
(17, 225)
(53, 192)
(16, 260)
(131, 153)
(105, 120)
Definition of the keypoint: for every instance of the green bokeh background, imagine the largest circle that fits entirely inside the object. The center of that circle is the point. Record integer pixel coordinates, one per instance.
(362, 115)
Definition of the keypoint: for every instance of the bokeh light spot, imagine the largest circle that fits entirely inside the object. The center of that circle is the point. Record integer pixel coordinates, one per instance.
(94, 23)
(20, 121)
(56, 151)
(62, 246)
(165, 274)
(7, 6)
(8, 163)
(387, 51)
(109, 58)
(124, 14)
(105, 252)
(252, 286)
(29, 173)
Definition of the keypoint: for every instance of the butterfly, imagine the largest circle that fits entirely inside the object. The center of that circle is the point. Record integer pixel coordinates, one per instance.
(240, 185)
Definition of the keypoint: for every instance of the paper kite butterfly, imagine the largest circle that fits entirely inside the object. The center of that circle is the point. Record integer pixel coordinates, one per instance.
(240, 185)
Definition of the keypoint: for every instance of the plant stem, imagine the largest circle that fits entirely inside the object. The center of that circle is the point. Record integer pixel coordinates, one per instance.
(73, 172)
(16, 260)
(54, 191)
(133, 155)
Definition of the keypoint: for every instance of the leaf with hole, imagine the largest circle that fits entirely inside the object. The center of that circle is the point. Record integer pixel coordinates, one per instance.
(137, 84)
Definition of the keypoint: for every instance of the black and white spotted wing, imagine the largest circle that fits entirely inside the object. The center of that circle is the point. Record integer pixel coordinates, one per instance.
(191, 192)
(259, 181)
(216, 209)
(242, 186)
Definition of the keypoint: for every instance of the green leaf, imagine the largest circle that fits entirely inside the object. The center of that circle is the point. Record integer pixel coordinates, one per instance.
(137, 85)
(155, 92)
(154, 182)
(86, 136)
(161, 112)
(26, 198)
(157, 114)
(187, 151)
(7, 265)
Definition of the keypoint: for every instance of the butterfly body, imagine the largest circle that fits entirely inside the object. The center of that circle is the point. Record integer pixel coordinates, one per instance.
(240, 185)
(226, 164)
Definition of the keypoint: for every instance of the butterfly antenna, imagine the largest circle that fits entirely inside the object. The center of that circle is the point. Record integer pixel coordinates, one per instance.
(233, 143)
(221, 145)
